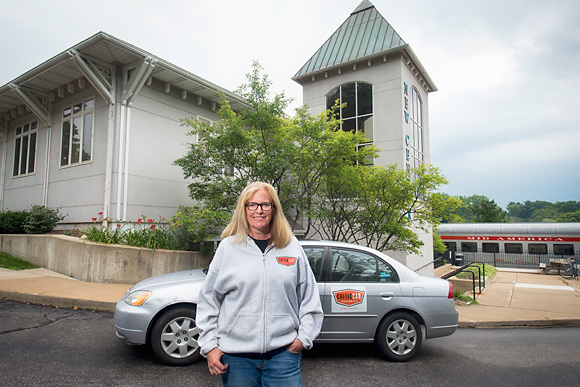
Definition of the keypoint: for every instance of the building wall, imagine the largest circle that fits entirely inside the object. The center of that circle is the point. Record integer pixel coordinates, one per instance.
(156, 187)
(390, 128)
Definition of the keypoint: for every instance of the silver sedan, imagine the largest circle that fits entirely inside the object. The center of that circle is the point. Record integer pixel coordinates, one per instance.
(366, 296)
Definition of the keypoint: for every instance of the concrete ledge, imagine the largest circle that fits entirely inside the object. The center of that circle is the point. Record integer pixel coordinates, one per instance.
(94, 262)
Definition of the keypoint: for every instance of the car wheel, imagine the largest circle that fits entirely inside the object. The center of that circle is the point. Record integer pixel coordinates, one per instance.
(399, 336)
(174, 337)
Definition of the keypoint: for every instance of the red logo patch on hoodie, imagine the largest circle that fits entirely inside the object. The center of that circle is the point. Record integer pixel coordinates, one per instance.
(286, 261)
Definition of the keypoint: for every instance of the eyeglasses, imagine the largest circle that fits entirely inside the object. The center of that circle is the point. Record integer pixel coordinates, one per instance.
(254, 206)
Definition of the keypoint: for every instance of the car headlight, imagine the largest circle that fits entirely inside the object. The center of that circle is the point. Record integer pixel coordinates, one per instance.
(137, 298)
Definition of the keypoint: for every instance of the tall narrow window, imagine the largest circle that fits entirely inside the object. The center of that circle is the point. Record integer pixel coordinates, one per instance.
(25, 149)
(416, 145)
(357, 114)
(77, 133)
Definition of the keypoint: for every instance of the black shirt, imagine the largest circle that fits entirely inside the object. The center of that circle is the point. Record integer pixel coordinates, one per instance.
(262, 243)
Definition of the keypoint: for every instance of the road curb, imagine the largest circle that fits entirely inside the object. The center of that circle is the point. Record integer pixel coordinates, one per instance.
(552, 323)
(59, 302)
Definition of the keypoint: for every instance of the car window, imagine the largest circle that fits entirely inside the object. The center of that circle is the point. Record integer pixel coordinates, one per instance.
(315, 256)
(357, 266)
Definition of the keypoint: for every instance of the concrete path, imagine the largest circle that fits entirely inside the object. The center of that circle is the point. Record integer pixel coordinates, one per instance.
(512, 299)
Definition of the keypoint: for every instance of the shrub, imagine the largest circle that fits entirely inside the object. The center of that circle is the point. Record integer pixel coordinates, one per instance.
(193, 226)
(12, 222)
(41, 220)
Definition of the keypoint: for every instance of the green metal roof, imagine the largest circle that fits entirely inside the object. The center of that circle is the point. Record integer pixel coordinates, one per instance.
(364, 33)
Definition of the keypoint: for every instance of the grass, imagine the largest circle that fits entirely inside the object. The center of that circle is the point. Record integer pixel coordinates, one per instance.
(13, 263)
(457, 295)
(490, 271)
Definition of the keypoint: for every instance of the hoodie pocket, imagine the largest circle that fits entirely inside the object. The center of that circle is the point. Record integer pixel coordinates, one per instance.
(245, 328)
(280, 325)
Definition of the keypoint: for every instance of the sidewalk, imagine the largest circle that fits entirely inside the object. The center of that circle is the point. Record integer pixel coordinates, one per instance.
(45, 287)
(524, 299)
(512, 299)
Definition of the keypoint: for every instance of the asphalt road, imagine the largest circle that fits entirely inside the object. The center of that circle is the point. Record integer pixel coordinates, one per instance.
(47, 346)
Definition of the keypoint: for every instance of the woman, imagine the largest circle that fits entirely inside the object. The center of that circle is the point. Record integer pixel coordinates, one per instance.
(259, 306)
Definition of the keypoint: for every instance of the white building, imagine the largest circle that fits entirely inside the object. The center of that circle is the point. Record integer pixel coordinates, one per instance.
(366, 64)
(96, 129)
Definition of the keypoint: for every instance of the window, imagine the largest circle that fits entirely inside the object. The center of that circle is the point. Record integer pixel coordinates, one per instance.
(416, 143)
(356, 266)
(451, 246)
(538, 248)
(563, 249)
(77, 133)
(25, 149)
(514, 248)
(315, 258)
(490, 247)
(469, 247)
(357, 115)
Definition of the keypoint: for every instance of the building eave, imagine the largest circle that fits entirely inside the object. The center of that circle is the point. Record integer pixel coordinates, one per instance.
(60, 70)
(405, 52)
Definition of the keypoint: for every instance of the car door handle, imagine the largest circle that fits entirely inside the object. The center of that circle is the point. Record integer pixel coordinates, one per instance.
(387, 295)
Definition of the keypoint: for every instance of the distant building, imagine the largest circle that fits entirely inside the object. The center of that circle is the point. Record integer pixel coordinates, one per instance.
(96, 129)
(366, 64)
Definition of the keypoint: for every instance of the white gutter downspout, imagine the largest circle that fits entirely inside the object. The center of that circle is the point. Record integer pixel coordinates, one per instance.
(132, 89)
(126, 182)
(3, 169)
(121, 154)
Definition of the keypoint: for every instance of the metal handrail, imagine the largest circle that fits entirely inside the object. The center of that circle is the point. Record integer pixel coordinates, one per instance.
(462, 270)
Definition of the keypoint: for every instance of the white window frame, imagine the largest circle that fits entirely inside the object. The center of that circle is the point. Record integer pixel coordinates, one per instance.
(417, 153)
(25, 131)
(356, 116)
(69, 118)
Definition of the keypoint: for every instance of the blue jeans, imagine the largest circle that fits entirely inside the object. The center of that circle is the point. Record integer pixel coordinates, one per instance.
(275, 368)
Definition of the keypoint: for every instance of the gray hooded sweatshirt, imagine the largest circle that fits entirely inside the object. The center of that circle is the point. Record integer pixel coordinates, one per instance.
(254, 302)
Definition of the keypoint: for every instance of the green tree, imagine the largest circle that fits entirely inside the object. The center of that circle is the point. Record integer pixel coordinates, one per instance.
(481, 209)
(381, 207)
(543, 211)
(316, 169)
(261, 144)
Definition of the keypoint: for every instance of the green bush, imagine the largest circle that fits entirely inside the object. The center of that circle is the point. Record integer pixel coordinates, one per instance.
(193, 226)
(12, 222)
(147, 234)
(41, 220)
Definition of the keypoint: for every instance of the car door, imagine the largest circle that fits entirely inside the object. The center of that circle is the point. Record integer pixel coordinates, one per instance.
(315, 256)
(358, 291)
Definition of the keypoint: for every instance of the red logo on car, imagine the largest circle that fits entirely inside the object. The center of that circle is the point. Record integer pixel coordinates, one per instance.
(286, 261)
(349, 297)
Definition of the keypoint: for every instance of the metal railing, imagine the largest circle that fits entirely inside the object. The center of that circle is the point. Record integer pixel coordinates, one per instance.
(517, 261)
(463, 269)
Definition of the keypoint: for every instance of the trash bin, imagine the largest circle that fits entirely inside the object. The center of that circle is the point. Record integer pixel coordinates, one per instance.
(458, 261)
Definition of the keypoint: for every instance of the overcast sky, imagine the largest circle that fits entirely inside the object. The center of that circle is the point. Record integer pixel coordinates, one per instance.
(505, 122)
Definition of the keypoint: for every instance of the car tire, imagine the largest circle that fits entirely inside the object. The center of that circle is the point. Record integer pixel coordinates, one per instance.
(174, 337)
(399, 337)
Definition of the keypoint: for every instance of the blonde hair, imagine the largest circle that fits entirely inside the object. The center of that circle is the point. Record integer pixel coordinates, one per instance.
(280, 231)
